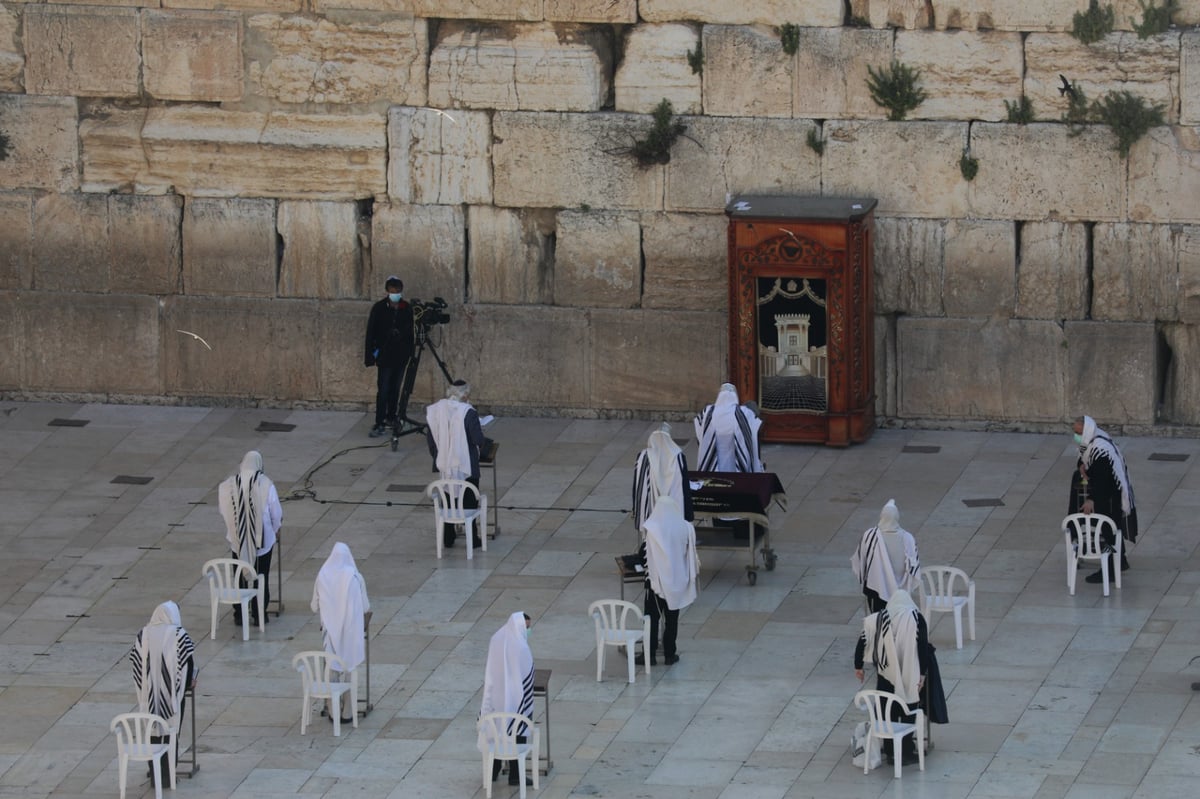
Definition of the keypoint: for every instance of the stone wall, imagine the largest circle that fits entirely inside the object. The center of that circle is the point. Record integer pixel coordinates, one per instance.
(252, 170)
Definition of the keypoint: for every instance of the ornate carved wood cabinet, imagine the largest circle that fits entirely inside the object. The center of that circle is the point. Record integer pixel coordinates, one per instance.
(801, 315)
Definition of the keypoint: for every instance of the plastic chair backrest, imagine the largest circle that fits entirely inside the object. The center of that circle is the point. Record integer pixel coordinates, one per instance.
(1086, 529)
(500, 730)
(317, 665)
(878, 705)
(226, 573)
(940, 582)
(134, 730)
(447, 495)
(613, 615)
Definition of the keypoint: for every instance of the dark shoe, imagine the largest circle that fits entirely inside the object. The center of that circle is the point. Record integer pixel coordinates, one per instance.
(448, 543)
(671, 660)
(347, 720)
(475, 542)
(908, 759)
(1124, 563)
(1098, 577)
(640, 660)
(515, 779)
(377, 431)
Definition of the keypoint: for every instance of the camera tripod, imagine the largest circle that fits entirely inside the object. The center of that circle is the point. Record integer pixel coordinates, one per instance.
(406, 425)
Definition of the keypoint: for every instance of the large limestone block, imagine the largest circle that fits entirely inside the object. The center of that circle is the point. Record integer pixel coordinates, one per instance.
(655, 67)
(520, 67)
(1189, 78)
(229, 247)
(16, 240)
(12, 55)
(527, 10)
(746, 72)
(715, 161)
(371, 62)
(87, 52)
(909, 265)
(1164, 176)
(966, 75)
(96, 343)
(912, 167)
(686, 257)
(1187, 246)
(424, 245)
(439, 157)
(1052, 279)
(260, 349)
(885, 366)
(43, 147)
(1004, 15)
(1181, 400)
(812, 13)
(1040, 171)
(568, 160)
(1148, 68)
(1112, 371)
(980, 369)
(1135, 273)
(144, 246)
(192, 55)
(512, 256)
(210, 152)
(111, 154)
(597, 259)
(637, 358)
(980, 267)
(342, 376)
(321, 253)
(12, 346)
(70, 243)
(902, 14)
(613, 11)
(277, 6)
(831, 72)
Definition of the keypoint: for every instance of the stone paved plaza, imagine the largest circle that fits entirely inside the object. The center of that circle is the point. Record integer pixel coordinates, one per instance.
(1059, 696)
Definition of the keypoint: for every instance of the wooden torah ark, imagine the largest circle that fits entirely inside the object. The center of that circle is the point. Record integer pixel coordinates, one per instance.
(801, 315)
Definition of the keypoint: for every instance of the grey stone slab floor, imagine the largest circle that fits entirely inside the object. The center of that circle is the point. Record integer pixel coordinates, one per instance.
(1058, 696)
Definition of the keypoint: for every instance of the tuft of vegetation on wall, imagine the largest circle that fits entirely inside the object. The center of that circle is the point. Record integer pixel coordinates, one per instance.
(1094, 24)
(896, 88)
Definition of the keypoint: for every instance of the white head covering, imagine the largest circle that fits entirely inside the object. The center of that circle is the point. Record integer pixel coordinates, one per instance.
(339, 597)
(727, 435)
(446, 425)
(663, 453)
(671, 558)
(459, 390)
(159, 659)
(889, 517)
(508, 675)
(891, 643)
(243, 501)
(1097, 443)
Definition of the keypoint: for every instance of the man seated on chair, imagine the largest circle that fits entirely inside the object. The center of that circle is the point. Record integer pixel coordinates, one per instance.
(340, 596)
(660, 470)
(672, 574)
(508, 683)
(163, 659)
(1100, 484)
(904, 625)
(456, 440)
(727, 433)
(250, 507)
(886, 559)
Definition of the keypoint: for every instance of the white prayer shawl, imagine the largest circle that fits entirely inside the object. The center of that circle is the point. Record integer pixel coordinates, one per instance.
(728, 435)
(251, 510)
(1099, 444)
(159, 657)
(898, 622)
(446, 425)
(508, 675)
(659, 471)
(671, 559)
(872, 560)
(340, 596)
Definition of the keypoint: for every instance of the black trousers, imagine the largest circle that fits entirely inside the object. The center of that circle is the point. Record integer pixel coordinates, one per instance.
(909, 744)
(387, 392)
(656, 606)
(498, 765)
(262, 565)
(470, 502)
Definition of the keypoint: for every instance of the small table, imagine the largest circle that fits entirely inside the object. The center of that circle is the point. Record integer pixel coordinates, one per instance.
(190, 695)
(541, 687)
(365, 702)
(278, 599)
(629, 574)
(738, 495)
(487, 460)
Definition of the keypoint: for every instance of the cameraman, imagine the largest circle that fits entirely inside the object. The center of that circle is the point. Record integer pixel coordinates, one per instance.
(389, 347)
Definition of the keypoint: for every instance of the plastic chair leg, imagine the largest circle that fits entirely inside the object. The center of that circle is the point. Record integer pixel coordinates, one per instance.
(156, 767)
(335, 707)
(354, 697)
(520, 766)
(305, 711)
(487, 775)
(122, 771)
(213, 603)
(262, 615)
(599, 660)
(958, 625)
(629, 656)
(469, 534)
(171, 739)
(897, 745)
(1104, 572)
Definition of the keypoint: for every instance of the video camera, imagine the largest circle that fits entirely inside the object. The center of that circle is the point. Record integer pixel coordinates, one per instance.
(433, 312)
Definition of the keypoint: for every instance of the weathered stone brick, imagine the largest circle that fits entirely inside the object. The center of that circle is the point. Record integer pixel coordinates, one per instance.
(229, 247)
(885, 366)
(12, 56)
(1112, 371)
(980, 267)
(520, 67)
(527, 10)
(911, 166)
(43, 149)
(144, 246)
(70, 243)
(110, 145)
(1181, 400)
(87, 52)
(1189, 78)
(1004, 15)
(277, 6)
(597, 259)
(1052, 276)
(1040, 171)
(1164, 176)
(965, 75)
(1187, 247)
(1135, 273)
(831, 72)
(909, 265)
(614, 11)
(568, 160)
(192, 55)
(686, 258)
(425, 245)
(13, 349)
(321, 253)
(739, 57)
(655, 67)
(439, 157)
(16, 240)
(342, 376)
(512, 256)
(371, 62)
(814, 13)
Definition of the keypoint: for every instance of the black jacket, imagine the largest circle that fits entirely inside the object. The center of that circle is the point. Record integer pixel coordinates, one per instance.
(389, 334)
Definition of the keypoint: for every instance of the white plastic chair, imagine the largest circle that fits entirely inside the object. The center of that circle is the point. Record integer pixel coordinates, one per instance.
(225, 577)
(447, 496)
(613, 619)
(1082, 533)
(498, 734)
(316, 669)
(938, 586)
(878, 705)
(134, 731)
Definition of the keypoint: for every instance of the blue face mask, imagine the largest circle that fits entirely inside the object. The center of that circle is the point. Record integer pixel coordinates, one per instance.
(1078, 439)
(396, 297)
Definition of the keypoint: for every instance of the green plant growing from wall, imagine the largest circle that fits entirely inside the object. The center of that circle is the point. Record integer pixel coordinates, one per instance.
(1155, 19)
(696, 58)
(655, 148)
(896, 88)
(1094, 24)
(1020, 111)
(789, 37)
(1128, 116)
(967, 165)
(1078, 113)
(813, 139)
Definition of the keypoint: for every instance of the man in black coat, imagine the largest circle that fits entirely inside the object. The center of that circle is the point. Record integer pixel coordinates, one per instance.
(389, 348)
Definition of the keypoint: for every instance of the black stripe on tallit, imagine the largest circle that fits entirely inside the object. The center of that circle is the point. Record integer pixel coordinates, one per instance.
(708, 456)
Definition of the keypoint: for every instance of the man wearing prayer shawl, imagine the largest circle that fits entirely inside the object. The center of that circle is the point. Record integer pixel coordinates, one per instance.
(250, 507)
(899, 668)
(660, 470)
(672, 573)
(1100, 484)
(508, 683)
(455, 440)
(886, 559)
(340, 596)
(727, 433)
(163, 669)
